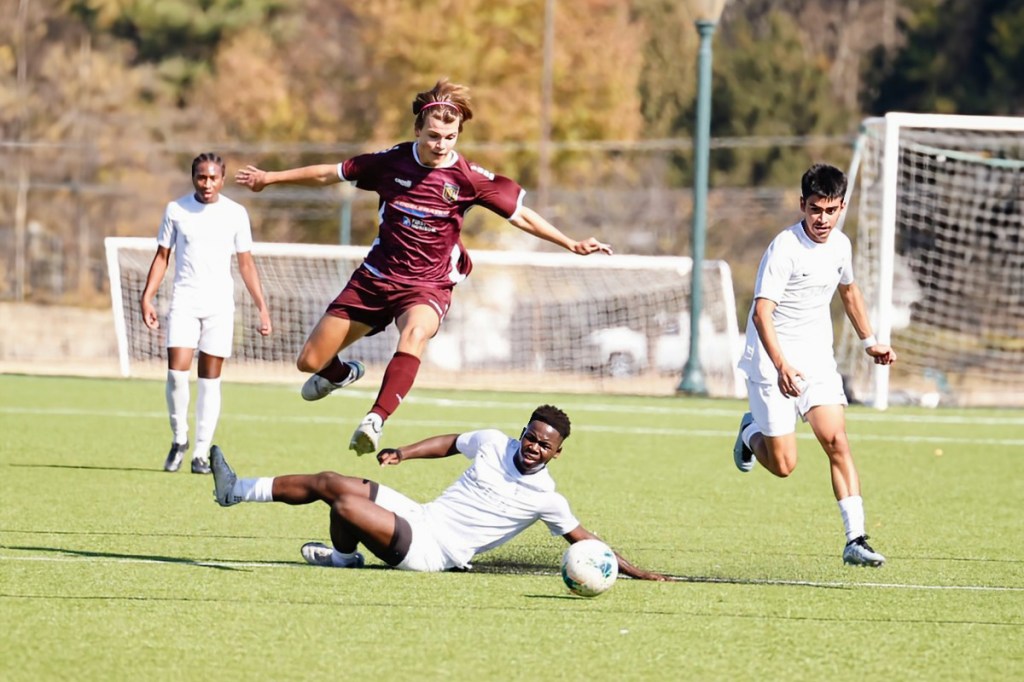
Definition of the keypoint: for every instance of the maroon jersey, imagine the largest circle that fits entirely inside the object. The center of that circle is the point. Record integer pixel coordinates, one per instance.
(421, 212)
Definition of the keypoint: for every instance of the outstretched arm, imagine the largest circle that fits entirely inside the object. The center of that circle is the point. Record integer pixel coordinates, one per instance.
(531, 222)
(251, 277)
(153, 279)
(626, 568)
(431, 448)
(856, 310)
(320, 175)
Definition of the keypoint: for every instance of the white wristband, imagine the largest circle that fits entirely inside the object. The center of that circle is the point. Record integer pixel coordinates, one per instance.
(870, 341)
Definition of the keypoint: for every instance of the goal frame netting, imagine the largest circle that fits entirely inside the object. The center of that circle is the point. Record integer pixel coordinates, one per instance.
(890, 213)
(631, 331)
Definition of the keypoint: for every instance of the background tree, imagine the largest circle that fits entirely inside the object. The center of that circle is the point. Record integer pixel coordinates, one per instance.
(104, 102)
(179, 37)
(959, 57)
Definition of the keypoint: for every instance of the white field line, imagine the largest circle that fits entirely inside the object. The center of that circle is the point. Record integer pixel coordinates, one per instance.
(637, 430)
(691, 579)
(583, 404)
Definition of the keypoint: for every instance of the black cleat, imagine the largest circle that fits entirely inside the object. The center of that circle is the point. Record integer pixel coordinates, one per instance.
(743, 456)
(859, 553)
(175, 456)
(200, 465)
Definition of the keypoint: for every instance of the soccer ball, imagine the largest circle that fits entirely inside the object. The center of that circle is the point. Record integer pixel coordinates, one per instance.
(589, 568)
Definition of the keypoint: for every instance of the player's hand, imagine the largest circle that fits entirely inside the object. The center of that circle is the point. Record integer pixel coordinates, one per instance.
(791, 381)
(651, 575)
(591, 245)
(882, 354)
(251, 177)
(266, 327)
(389, 457)
(149, 316)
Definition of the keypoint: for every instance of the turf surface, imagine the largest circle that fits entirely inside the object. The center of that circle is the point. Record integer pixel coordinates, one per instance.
(112, 569)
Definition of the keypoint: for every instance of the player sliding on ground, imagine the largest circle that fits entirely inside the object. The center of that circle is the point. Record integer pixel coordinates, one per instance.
(503, 492)
(425, 189)
(789, 361)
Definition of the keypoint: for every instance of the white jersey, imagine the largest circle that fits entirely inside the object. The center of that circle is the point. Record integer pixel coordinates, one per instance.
(203, 238)
(492, 502)
(801, 277)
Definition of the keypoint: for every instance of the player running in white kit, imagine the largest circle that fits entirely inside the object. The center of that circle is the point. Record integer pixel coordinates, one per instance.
(788, 357)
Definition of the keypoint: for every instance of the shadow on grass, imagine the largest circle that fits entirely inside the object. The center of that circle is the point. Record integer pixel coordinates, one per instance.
(151, 558)
(505, 567)
(86, 467)
(148, 534)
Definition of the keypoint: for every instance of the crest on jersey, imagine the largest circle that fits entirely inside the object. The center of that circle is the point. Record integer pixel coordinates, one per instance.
(450, 192)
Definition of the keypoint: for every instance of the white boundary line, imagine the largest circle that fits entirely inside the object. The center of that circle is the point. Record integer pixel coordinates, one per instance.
(638, 430)
(767, 582)
(583, 403)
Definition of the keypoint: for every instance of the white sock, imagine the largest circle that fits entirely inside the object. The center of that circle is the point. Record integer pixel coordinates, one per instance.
(852, 510)
(341, 559)
(254, 489)
(752, 430)
(207, 414)
(176, 392)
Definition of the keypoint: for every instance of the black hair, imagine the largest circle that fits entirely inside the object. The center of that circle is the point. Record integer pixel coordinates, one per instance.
(553, 417)
(207, 157)
(824, 181)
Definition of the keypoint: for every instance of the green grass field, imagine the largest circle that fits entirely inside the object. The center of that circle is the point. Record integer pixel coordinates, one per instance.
(111, 569)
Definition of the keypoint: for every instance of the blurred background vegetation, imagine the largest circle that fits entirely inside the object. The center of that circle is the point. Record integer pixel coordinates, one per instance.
(103, 104)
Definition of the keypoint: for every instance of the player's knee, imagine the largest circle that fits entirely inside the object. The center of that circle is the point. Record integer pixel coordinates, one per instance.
(835, 445)
(339, 489)
(417, 335)
(330, 485)
(839, 453)
(782, 463)
(306, 363)
(784, 468)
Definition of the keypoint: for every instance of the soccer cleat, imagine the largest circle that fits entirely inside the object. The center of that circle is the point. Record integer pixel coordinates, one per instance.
(859, 553)
(175, 455)
(317, 387)
(367, 434)
(742, 455)
(200, 465)
(223, 479)
(319, 554)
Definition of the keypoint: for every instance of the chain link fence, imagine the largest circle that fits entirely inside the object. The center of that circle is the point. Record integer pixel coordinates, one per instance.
(58, 201)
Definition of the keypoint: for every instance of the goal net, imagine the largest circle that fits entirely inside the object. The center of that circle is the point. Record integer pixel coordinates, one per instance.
(939, 254)
(522, 321)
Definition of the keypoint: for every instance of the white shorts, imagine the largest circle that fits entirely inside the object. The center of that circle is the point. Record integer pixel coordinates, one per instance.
(425, 554)
(213, 335)
(776, 413)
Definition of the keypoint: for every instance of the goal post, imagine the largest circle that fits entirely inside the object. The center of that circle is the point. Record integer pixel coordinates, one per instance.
(939, 254)
(533, 321)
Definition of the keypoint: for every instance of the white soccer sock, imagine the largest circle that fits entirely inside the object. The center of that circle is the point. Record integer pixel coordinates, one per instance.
(752, 430)
(176, 392)
(341, 559)
(207, 414)
(254, 489)
(852, 510)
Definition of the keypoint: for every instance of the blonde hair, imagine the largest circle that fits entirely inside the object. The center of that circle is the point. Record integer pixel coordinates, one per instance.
(446, 101)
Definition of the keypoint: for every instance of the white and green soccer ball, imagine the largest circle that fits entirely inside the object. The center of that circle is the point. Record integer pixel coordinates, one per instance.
(589, 568)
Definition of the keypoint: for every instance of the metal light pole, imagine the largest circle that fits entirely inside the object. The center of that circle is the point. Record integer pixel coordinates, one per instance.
(707, 12)
(348, 194)
(547, 88)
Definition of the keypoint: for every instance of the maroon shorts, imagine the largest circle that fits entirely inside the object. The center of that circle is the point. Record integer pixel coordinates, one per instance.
(376, 302)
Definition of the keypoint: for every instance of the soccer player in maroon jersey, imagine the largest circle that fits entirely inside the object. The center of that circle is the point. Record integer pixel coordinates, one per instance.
(425, 188)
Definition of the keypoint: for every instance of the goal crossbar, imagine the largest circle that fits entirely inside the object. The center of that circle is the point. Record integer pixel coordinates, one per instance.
(601, 324)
